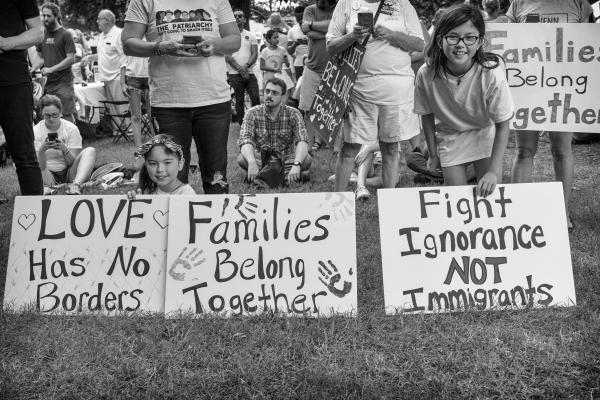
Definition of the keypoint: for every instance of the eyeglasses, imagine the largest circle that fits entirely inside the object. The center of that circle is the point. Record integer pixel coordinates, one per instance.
(48, 116)
(238, 15)
(467, 40)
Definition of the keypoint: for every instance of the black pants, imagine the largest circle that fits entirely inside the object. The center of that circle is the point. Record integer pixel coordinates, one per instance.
(16, 120)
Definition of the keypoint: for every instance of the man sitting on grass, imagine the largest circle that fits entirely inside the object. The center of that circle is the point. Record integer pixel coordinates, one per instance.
(273, 129)
(59, 149)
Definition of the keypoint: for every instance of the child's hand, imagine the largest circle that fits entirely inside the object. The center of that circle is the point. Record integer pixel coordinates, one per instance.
(131, 194)
(487, 184)
(433, 163)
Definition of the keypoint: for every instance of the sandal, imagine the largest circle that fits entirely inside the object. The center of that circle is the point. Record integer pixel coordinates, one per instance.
(316, 146)
(73, 188)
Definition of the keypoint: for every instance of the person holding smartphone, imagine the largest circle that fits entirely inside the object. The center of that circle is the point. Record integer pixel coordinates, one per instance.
(59, 148)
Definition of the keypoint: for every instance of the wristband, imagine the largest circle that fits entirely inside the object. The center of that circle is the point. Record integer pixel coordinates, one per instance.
(156, 49)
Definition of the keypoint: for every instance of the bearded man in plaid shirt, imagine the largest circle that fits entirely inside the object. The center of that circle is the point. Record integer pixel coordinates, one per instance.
(274, 128)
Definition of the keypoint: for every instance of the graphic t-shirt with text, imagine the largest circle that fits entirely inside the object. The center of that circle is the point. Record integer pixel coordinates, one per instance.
(184, 82)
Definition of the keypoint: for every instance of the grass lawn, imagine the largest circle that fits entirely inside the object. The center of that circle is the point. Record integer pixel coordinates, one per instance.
(551, 353)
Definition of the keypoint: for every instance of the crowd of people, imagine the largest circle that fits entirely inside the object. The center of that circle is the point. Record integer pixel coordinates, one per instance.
(429, 83)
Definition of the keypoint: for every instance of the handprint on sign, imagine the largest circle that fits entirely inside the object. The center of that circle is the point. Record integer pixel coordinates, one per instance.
(331, 276)
(185, 262)
(342, 206)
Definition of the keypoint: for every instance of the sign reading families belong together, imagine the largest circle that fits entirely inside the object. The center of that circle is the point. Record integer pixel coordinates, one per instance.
(243, 254)
(458, 251)
(552, 72)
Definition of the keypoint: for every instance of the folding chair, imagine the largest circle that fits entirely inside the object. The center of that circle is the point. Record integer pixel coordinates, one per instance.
(121, 120)
(148, 124)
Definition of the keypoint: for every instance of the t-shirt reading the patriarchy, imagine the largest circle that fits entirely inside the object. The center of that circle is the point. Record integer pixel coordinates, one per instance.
(549, 11)
(184, 82)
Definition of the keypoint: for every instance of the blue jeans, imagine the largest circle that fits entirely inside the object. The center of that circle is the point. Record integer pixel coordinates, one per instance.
(240, 86)
(209, 127)
(16, 120)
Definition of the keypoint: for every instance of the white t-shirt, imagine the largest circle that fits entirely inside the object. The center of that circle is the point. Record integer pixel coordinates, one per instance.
(550, 11)
(273, 59)
(184, 82)
(294, 34)
(67, 133)
(465, 112)
(385, 72)
(137, 67)
(243, 54)
(110, 55)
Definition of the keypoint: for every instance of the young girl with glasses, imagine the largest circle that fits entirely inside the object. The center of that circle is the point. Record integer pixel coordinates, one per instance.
(463, 98)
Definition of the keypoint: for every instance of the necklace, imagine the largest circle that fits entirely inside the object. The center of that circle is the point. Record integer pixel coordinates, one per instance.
(459, 77)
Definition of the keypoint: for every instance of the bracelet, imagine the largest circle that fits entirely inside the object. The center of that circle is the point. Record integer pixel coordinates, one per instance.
(156, 49)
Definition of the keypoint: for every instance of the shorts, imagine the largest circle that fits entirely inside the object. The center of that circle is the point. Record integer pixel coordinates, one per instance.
(368, 123)
(137, 82)
(65, 92)
(60, 176)
(310, 85)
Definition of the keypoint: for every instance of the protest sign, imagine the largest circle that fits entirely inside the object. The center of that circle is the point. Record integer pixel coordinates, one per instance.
(450, 250)
(79, 254)
(552, 71)
(330, 102)
(245, 254)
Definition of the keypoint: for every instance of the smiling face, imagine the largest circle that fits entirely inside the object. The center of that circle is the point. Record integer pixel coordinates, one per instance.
(163, 167)
(460, 45)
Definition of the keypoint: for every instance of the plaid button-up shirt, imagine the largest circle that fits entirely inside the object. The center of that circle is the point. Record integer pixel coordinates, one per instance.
(280, 134)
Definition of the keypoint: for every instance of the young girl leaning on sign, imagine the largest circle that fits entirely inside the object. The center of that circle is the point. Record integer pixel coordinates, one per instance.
(163, 159)
(462, 93)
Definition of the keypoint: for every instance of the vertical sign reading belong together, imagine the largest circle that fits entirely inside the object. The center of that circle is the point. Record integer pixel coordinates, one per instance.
(79, 254)
(458, 251)
(330, 102)
(245, 254)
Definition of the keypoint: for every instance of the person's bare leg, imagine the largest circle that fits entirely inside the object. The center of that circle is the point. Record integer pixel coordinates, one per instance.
(82, 168)
(562, 156)
(344, 165)
(363, 170)
(455, 175)
(389, 166)
(527, 144)
(135, 108)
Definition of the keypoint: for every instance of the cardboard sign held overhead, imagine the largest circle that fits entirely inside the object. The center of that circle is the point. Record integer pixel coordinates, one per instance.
(245, 254)
(552, 71)
(79, 254)
(451, 250)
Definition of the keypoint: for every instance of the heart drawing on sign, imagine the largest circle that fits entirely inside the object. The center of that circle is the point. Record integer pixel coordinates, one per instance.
(161, 218)
(312, 118)
(321, 126)
(26, 220)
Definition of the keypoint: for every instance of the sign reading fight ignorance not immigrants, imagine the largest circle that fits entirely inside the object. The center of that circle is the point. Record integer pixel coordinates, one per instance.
(552, 71)
(79, 254)
(331, 99)
(244, 254)
(455, 251)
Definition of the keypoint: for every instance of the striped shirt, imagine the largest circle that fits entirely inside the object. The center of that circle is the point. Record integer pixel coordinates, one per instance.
(280, 134)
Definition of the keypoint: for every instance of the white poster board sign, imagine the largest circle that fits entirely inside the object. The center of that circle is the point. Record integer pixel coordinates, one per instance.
(552, 70)
(449, 250)
(79, 254)
(244, 254)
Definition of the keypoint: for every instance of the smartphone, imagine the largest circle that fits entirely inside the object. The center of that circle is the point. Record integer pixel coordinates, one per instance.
(192, 39)
(365, 19)
(53, 136)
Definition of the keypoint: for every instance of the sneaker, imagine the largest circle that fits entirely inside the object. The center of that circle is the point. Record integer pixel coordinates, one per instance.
(73, 188)
(316, 146)
(416, 161)
(362, 193)
(48, 190)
